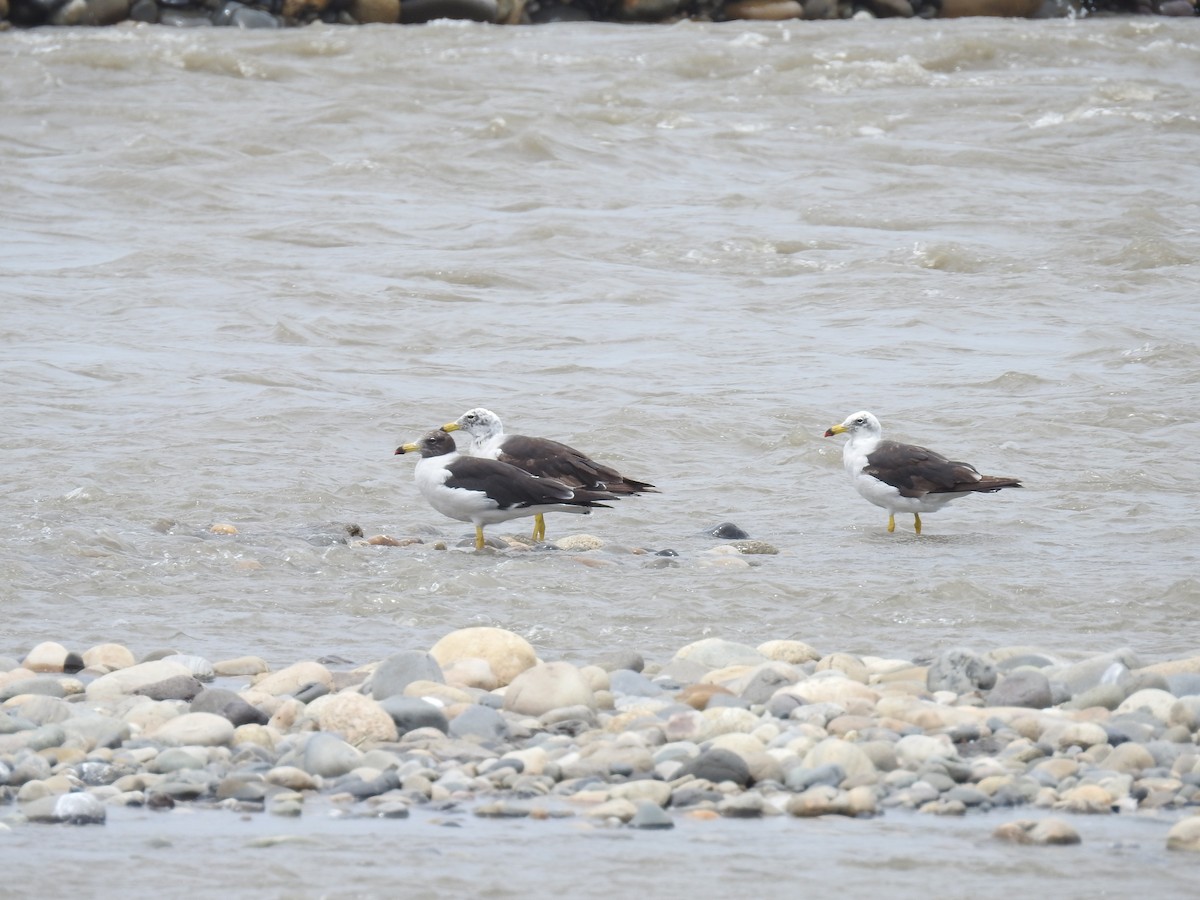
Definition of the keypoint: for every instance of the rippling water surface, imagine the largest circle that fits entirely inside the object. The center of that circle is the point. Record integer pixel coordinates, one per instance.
(238, 269)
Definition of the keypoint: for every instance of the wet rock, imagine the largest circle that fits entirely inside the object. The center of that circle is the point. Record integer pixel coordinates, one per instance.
(727, 531)
(577, 543)
(411, 713)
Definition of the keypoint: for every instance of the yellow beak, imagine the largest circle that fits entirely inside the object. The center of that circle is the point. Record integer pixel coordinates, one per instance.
(835, 429)
(452, 426)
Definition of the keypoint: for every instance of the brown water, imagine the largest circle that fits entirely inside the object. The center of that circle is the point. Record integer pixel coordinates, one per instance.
(238, 269)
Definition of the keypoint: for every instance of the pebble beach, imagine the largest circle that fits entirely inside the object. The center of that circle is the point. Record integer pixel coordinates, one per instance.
(478, 724)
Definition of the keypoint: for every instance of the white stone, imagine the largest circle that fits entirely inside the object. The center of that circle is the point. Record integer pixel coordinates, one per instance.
(195, 729)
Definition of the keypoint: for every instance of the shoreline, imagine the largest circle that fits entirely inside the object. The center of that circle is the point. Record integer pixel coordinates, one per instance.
(478, 723)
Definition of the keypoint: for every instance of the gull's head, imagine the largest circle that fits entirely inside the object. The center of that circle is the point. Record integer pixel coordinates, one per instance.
(479, 423)
(436, 443)
(860, 423)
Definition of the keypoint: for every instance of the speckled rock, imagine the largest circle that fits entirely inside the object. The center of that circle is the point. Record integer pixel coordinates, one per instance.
(357, 718)
(961, 671)
(792, 652)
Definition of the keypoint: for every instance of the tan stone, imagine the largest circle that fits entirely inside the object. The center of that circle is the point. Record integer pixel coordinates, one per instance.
(1086, 798)
(47, 656)
(698, 696)
(471, 673)
(294, 677)
(508, 654)
(1185, 835)
(109, 656)
(257, 735)
(1188, 666)
(293, 778)
(1058, 768)
(851, 758)
(1075, 734)
(241, 665)
(195, 730)
(821, 800)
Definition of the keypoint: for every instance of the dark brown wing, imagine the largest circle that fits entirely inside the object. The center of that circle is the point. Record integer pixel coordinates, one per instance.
(551, 459)
(917, 471)
(511, 487)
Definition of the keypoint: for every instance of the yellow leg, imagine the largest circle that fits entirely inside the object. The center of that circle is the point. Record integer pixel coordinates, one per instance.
(891, 523)
(539, 527)
(478, 537)
(917, 523)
